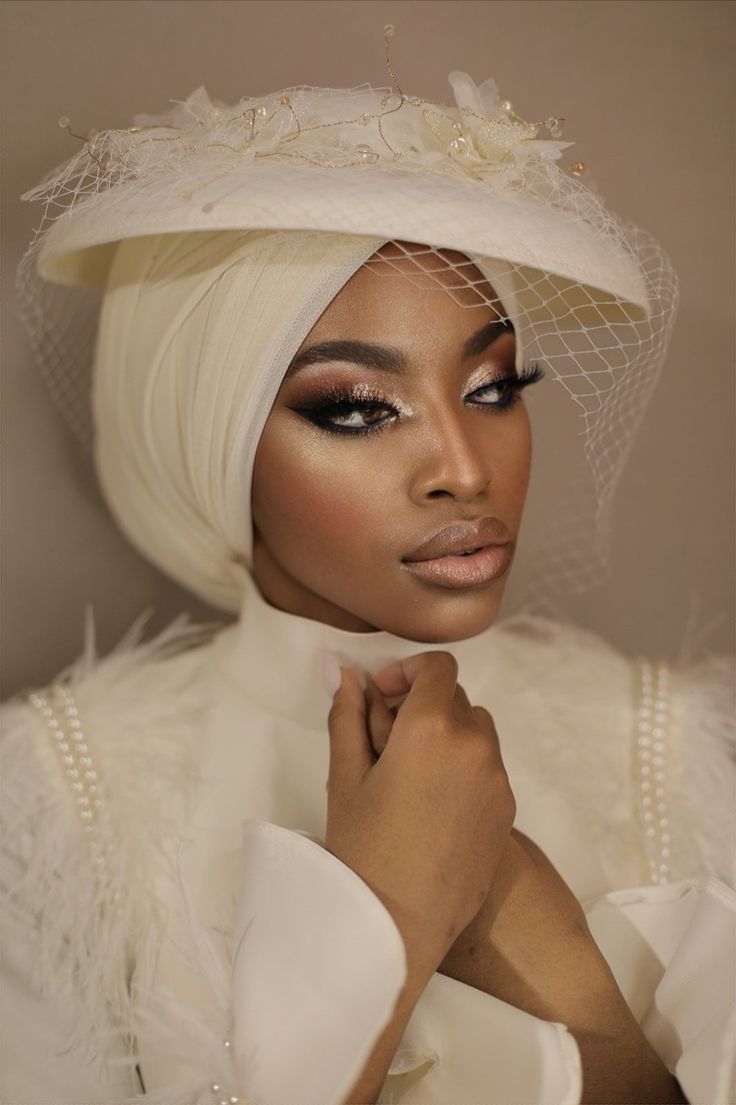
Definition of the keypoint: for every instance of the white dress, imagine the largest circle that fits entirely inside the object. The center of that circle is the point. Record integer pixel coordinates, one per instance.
(177, 933)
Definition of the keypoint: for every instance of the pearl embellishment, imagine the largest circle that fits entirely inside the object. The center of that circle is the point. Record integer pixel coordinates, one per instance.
(651, 754)
(60, 713)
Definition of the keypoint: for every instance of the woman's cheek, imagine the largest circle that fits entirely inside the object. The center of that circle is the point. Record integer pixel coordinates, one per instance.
(513, 466)
(331, 514)
(317, 498)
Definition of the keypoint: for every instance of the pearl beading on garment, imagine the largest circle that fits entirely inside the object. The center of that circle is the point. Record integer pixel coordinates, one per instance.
(220, 1096)
(60, 713)
(653, 718)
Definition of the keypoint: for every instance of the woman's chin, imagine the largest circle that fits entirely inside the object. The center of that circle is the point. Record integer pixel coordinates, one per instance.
(448, 617)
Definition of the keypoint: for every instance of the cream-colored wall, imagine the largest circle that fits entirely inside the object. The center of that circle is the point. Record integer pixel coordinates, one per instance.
(647, 90)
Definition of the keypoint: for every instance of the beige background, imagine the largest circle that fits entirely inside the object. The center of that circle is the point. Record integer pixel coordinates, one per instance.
(646, 89)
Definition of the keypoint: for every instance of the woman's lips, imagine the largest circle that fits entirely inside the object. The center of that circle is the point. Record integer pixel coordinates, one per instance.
(464, 554)
(456, 571)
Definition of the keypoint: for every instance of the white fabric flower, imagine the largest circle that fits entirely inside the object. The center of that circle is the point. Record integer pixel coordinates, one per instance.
(489, 135)
(483, 99)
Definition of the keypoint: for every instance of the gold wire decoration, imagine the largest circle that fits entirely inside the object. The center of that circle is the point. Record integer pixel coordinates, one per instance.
(487, 145)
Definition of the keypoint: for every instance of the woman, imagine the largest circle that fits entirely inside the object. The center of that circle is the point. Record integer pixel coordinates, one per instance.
(311, 416)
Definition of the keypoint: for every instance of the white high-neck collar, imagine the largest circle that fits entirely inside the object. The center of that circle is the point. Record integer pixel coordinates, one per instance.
(271, 708)
(278, 659)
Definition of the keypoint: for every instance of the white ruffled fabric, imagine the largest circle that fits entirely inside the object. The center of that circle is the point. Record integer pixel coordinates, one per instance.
(672, 949)
(203, 935)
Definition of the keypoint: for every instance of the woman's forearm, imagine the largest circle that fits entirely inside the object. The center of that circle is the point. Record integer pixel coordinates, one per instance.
(532, 948)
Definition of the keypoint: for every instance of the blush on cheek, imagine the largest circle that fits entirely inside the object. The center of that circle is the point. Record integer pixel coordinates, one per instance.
(308, 504)
(329, 514)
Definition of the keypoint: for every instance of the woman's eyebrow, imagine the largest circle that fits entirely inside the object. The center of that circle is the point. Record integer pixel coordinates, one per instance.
(481, 339)
(385, 358)
(381, 357)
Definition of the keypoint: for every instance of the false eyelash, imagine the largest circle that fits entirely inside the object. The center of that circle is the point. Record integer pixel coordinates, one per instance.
(513, 385)
(531, 373)
(337, 400)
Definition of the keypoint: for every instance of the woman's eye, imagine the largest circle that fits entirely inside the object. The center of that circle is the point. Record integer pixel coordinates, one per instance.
(500, 393)
(350, 416)
(503, 394)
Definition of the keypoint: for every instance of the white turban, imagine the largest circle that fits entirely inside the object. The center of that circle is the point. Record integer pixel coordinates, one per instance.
(196, 333)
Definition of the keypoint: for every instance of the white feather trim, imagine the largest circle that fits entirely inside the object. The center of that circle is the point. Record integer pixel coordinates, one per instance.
(572, 712)
(703, 782)
(138, 707)
(564, 704)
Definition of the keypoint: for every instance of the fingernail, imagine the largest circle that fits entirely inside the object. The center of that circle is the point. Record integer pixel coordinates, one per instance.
(331, 673)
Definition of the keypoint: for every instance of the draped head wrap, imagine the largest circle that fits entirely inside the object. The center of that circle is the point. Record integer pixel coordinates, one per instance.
(196, 333)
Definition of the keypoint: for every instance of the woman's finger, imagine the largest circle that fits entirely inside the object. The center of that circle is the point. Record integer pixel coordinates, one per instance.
(488, 726)
(463, 708)
(484, 718)
(351, 753)
(428, 677)
(380, 718)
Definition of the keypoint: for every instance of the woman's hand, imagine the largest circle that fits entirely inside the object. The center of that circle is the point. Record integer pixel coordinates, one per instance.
(530, 946)
(425, 824)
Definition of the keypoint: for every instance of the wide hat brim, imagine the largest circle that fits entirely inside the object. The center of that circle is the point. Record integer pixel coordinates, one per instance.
(390, 202)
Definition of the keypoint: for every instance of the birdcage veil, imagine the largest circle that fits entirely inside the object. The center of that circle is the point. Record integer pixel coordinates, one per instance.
(470, 197)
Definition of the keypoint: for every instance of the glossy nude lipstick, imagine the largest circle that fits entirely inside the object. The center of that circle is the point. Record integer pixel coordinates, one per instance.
(463, 555)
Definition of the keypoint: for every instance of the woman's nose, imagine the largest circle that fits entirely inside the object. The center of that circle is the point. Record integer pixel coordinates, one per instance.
(452, 460)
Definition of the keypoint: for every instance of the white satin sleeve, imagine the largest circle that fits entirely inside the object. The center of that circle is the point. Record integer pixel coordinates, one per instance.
(319, 965)
(672, 949)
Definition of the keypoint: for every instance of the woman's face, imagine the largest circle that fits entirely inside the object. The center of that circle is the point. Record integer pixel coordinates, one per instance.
(398, 444)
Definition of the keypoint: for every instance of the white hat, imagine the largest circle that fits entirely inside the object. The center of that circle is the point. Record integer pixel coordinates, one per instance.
(470, 177)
